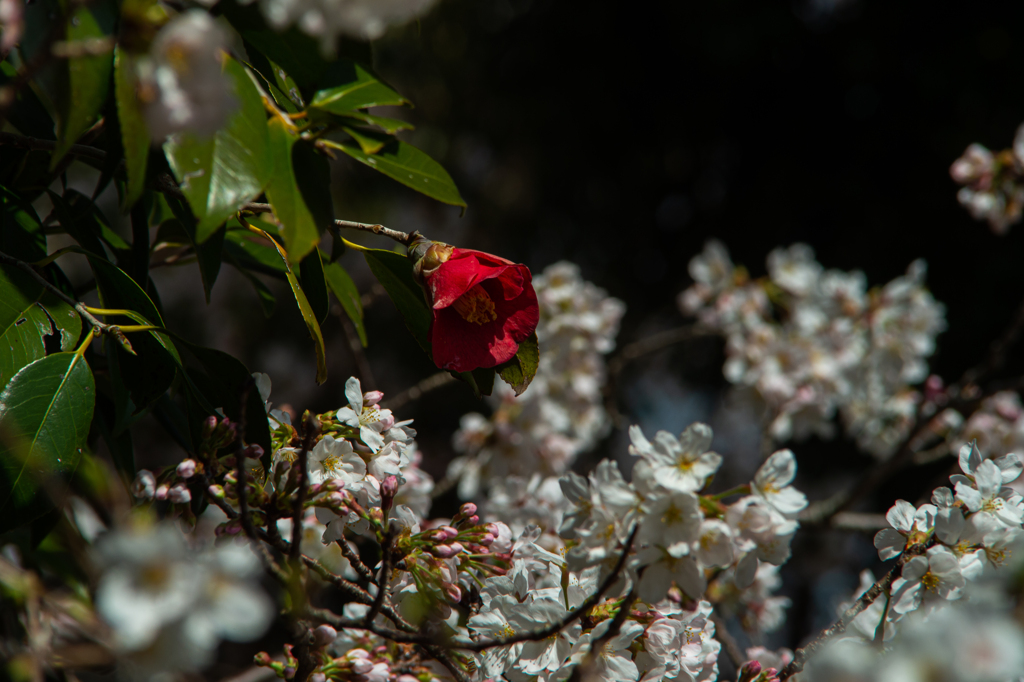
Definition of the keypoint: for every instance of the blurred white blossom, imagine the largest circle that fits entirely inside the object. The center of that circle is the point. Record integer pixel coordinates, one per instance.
(330, 19)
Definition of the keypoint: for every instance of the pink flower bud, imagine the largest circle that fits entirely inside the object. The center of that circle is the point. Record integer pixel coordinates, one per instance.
(457, 548)
(209, 425)
(179, 494)
(486, 540)
(453, 593)
(468, 509)
(372, 397)
(361, 666)
(324, 635)
(262, 658)
(439, 536)
(186, 469)
(449, 531)
(144, 485)
(161, 492)
(388, 489)
(472, 520)
(357, 653)
(749, 671)
(254, 451)
(216, 492)
(443, 551)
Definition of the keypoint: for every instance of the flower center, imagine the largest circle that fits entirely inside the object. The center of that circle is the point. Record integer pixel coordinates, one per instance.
(475, 306)
(930, 581)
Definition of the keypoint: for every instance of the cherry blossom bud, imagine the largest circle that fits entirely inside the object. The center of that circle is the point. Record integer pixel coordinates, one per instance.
(749, 671)
(457, 548)
(318, 677)
(324, 635)
(472, 520)
(209, 425)
(289, 672)
(357, 653)
(449, 531)
(372, 397)
(254, 451)
(161, 492)
(179, 494)
(144, 485)
(262, 659)
(187, 469)
(443, 551)
(388, 489)
(453, 593)
(361, 666)
(216, 492)
(468, 509)
(486, 540)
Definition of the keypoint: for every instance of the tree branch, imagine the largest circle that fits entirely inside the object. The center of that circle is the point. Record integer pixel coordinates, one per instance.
(434, 381)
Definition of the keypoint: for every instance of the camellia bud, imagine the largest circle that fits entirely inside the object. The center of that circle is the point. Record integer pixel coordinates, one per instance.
(187, 469)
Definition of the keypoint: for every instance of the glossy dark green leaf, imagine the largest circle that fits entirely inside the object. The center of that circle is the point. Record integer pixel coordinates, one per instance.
(267, 299)
(297, 53)
(223, 379)
(120, 447)
(88, 76)
(278, 84)
(298, 191)
(45, 412)
(208, 253)
(27, 114)
(149, 372)
(484, 378)
(308, 316)
(83, 220)
(134, 135)
(520, 370)
(221, 173)
(394, 272)
(369, 143)
(311, 276)
(388, 125)
(22, 236)
(345, 291)
(408, 165)
(28, 314)
(249, 252)
(360, 90)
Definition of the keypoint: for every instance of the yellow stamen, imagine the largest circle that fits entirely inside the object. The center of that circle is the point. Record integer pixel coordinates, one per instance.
(476, 306)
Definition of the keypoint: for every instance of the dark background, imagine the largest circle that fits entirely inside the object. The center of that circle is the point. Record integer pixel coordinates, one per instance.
(623, 135)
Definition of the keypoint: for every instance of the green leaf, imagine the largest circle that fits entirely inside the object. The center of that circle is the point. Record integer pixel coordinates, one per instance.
(208, 253)
(348, 296)
(88, 77)
(311, 275)
(394, 272)
(28, 314)
(82, 219)
(308, 316)
(222, 173)
(360, 90)
(299, 191)
(222, 381)
(22, 236)
(149, 372)
(252, 253)
(267, 299)
(407, 165)
(369, 143)
(134, 135)
(520, 370)
(388, 125)
(27, 114)
(45, 412)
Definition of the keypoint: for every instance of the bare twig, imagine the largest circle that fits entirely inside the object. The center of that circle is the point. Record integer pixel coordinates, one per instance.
(383, 580)
(354, 560)
(79, 308)
(397, 235)
(883, 585)
(23, 142)
(722, 634)
(241, 475)
(310, 427)
(434, 381)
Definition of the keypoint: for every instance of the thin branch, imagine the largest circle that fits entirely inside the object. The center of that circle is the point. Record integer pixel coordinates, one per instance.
(399, 236)
(383, 580)
(434, 381)
(241, 476)
(874, 592)
(35, 144)
(586, 668)
(303, 486)
(354, 560)
(79, 308)
(722, 634)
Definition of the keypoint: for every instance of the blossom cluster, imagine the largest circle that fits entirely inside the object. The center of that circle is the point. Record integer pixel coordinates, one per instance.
(814, 342)
(330, 19)
(993, 183)
(563, 413)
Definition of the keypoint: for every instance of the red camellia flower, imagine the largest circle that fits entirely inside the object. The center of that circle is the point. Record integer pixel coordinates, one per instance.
(484, 306)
